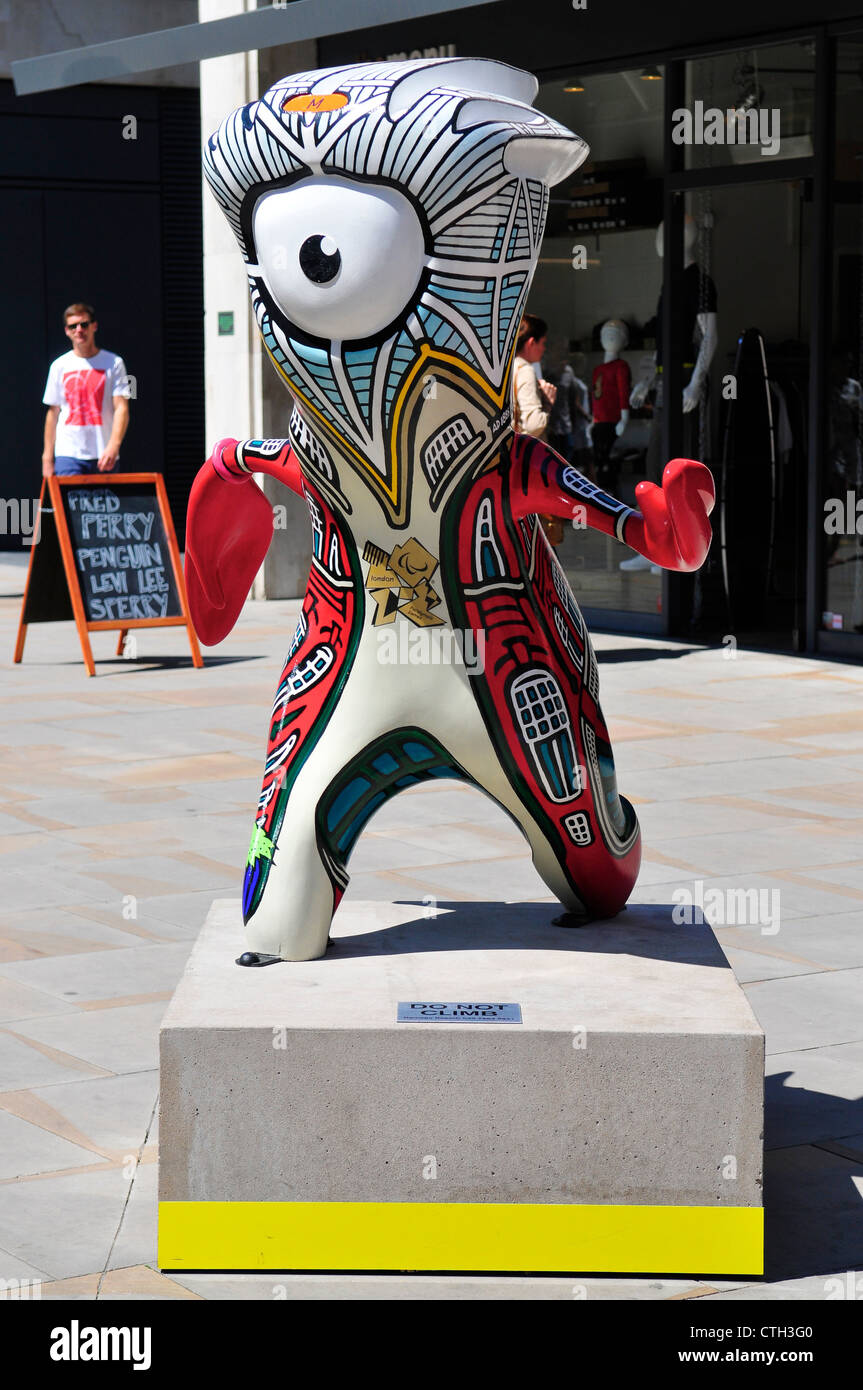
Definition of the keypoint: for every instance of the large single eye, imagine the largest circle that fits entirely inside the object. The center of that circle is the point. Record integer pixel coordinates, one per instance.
(341, 259)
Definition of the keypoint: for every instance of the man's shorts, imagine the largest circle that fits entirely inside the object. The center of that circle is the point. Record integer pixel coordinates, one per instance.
(66, 467)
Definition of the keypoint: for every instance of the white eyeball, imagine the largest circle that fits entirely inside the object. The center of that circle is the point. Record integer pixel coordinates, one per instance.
(340, 259)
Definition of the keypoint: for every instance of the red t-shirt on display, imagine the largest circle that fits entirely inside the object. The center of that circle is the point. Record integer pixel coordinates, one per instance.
(612, 383)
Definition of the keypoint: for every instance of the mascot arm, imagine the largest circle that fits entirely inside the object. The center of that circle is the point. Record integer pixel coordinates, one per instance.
(229, 528)
(671, 529)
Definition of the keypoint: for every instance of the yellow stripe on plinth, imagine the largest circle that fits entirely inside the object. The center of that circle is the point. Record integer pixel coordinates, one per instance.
(460, 1236)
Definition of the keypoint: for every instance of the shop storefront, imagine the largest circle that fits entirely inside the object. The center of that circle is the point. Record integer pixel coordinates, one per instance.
(720, 218)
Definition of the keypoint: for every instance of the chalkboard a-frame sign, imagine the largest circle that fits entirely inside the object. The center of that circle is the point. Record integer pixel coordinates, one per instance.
(107, 556)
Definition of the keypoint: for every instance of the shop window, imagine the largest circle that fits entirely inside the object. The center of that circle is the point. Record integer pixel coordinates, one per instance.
(843, 472)
(749, 106)
(599, 262)
(752, 244)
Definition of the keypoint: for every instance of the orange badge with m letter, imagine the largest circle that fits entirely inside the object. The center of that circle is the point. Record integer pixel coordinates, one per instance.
(310, 103)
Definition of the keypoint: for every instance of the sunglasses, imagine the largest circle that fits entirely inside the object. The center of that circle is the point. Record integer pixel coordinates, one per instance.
(82, 323)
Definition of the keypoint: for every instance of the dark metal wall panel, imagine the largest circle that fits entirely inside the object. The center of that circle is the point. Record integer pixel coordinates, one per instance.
(86, 214)
(102, 102)
(23, 364)
(544, 37)
(77, 146)
(182, 295)
(102, 246)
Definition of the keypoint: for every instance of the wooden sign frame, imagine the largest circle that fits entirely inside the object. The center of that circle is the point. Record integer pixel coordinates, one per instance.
(54, 487)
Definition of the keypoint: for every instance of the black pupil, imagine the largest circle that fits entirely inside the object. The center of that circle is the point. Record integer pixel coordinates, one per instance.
(315, 264)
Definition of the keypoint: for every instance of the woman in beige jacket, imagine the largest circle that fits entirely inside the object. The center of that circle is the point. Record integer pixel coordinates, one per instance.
(534, 398)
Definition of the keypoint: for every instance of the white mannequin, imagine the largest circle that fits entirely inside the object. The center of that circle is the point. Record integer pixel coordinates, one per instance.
(614, 336)
(707, 327)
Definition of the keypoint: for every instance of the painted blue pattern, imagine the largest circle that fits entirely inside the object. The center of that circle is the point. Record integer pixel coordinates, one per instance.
(443, 335)
(511, 294)
(474, 300)
(360, 365)
(403, 358)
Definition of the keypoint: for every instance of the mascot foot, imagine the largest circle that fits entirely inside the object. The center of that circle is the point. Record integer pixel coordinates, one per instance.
(570, 919)
(256, 958)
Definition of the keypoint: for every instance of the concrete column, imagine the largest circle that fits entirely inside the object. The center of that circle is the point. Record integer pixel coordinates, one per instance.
(244, 397)
(232, 359)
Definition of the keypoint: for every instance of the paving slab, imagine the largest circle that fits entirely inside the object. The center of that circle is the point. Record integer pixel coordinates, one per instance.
(815, 1288)
(430, 1288)
(513, 878)
(750, 966)
(118, 1040)
(129, 1284)
(135, 1243)
(24, 1063)
(390, 851)
(809, 1010)
(102, 975)
(831, 941)
(814, 1212)
(13, 1267)
(19, 1001)
(60, 889)
(54, 933)
(113, 1112)
(64, 1225)
(662, 821)
(26, 1149)
(814, 1096)
(798, 896)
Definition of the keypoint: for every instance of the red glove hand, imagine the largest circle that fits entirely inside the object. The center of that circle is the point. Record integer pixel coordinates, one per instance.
(673, 530)
(223, 460)
(228, 533)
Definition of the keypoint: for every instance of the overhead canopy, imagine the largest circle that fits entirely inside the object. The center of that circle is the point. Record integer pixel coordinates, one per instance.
(189, 43)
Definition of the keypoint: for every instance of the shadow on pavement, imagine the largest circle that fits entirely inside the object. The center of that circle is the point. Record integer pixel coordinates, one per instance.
(813, 1187)
(615, 654)
(118, 665)
(645, 930)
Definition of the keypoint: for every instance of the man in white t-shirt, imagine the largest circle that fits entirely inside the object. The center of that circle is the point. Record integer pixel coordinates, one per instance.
(87, 396)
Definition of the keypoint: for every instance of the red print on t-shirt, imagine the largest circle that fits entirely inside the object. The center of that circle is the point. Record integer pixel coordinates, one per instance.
(84, 392)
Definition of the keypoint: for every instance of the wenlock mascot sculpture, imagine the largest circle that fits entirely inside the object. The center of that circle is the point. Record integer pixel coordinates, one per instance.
(391, 215)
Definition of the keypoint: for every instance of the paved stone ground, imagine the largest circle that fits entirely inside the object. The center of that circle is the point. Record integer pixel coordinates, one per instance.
(125, 809)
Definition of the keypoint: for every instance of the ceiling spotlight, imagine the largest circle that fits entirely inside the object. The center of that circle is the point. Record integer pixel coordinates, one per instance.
(750, 101)
(651, 75)
(750, 93)
(574, 86)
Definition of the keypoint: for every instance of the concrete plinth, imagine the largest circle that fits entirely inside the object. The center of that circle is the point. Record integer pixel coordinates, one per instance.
(616, 1129)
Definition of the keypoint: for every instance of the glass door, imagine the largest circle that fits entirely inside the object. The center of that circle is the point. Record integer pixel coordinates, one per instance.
(842, 475)
(741, 331)
(746, 287)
